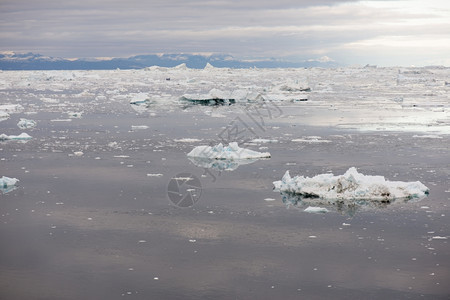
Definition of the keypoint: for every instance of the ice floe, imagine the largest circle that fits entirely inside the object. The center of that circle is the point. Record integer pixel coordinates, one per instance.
(230, 152)
(8, 184)
(22, 136)
(352, 185)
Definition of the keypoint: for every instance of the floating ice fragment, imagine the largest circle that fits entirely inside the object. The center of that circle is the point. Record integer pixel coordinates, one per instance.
(269, 199)
(263, 141)
(22, 136)
(61, 120)
(78, 153)
(230, 152)
(25, 124)
(155, 175)
(136, 127)
(315, 209)
(73, 114)
(439, 238)
(187, 140)
(311, 140)
(351, 185)
(8, 184)
(3, 116)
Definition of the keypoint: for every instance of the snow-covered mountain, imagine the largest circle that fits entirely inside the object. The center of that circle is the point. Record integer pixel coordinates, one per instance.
(32, 61)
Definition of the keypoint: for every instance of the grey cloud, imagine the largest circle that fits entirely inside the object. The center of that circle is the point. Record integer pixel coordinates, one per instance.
(242, 28)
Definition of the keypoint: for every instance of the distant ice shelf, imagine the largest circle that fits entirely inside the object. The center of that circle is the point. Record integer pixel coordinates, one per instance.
(351, 185)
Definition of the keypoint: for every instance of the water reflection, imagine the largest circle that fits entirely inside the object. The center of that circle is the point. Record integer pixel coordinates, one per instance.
(343, 206)
(220, 164)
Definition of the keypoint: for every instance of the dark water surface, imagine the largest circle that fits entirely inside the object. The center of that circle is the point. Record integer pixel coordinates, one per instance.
(101, 225)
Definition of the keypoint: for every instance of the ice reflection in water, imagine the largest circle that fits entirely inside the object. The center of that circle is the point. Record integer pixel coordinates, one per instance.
(343, 206)
(220, 164)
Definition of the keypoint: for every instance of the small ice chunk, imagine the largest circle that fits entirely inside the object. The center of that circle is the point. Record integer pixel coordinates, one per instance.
(136, 127)
(3, 116)
(26, 124)
(154, 175)
(8, 184)
(269, 199)
(78, 153)
(316, 209)
(187, 140)
(231, 152)
(263, 141)
(74, 114)
(311, 140)
(439, 238)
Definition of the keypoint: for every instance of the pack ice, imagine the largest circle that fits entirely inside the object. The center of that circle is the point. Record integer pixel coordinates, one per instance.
(230, 152)
(8, 184)
(352, 185)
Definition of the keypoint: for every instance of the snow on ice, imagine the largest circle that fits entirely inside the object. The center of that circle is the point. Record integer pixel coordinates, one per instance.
(351, 185)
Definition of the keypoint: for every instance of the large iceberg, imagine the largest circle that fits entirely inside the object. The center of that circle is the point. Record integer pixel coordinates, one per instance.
(230, 152)
(352, 185)
(8, 184)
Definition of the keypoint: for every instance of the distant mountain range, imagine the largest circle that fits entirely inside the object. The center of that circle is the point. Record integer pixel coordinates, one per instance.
(32, 61)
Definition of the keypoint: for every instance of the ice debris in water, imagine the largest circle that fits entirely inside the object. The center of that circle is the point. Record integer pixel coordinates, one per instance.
(26, 124)
(8, 184)
(351, 185)
(22, 136)
(230, 152)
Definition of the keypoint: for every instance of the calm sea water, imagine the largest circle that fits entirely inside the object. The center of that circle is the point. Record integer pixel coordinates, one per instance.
(104, 226)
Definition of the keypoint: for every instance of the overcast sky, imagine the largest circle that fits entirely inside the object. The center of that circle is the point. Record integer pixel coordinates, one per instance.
(412, 32)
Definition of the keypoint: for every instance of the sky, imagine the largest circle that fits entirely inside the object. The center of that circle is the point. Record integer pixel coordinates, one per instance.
(383, 33)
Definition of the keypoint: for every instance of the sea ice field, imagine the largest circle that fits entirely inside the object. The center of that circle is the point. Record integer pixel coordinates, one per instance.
(178, 183)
